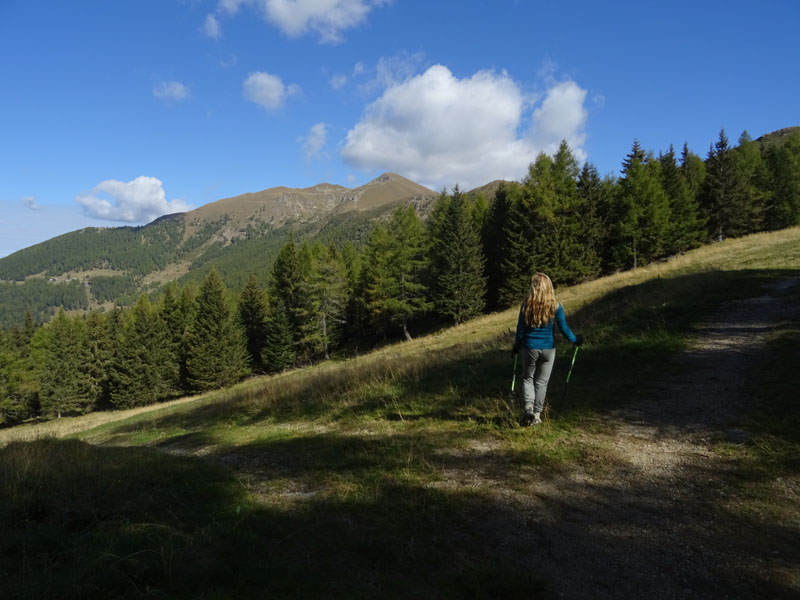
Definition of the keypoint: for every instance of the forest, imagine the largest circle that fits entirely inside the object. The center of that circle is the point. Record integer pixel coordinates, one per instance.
(327, 296)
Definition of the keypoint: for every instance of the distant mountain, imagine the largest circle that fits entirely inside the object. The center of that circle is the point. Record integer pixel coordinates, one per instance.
(107, 266)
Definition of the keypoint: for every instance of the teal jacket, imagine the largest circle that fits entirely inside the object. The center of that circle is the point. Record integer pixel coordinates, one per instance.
(541, 338)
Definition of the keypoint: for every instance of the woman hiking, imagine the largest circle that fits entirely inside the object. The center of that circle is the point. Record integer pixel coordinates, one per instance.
(535, 334)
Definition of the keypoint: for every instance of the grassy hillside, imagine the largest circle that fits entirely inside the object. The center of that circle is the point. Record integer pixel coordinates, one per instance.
(393, 474)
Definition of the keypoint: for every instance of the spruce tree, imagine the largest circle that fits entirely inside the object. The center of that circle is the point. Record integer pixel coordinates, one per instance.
(641, 213)
(216, 354)
(723, 198)
(143, 371)
(62, 382)
(593, 212)
(253, 318)
(783, 203)
(376, 279)
(457, 263)
(495, 245)
(285, 283)
(754, 175)
(176, 313)
(278, 353)
(684, 230)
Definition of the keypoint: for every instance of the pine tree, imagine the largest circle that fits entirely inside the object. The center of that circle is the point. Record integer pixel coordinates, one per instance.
(253, 318)
(143, 370)
(457, 263)
(407, 294)
(216, 354)
(101, 350)
(495, 245)
(684, 230)
(641, 213)
(754, 175)
(593, 212)
(723, 196)
(519, 260)
(278, 353)
(285, 283)
(376, 284)
(61, 379)
(783, 204)
(176, 312)
(327, 295)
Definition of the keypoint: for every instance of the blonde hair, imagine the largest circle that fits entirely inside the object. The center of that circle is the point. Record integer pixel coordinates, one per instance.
(541, 304)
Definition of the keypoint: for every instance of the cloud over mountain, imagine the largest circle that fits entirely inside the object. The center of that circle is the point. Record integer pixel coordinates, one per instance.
(441, 130)
(138, 201)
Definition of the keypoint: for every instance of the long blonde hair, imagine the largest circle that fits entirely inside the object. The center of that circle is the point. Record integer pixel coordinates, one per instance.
(541, 304)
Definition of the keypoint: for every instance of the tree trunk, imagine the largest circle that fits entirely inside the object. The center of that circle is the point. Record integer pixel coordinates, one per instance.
(405, 332)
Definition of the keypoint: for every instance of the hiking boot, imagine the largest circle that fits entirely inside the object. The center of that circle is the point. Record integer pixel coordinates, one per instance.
(526, 420)
(537, 418)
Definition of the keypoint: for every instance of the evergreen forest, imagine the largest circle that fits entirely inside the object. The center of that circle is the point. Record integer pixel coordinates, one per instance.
(329, 294)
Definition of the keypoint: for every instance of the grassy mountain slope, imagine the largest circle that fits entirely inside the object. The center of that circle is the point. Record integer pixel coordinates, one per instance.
(234, 234)
(399, 473)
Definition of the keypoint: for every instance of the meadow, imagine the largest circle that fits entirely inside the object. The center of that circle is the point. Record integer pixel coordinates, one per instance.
(398, 473)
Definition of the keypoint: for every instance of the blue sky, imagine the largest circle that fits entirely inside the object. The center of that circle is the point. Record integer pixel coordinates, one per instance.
(114, 112)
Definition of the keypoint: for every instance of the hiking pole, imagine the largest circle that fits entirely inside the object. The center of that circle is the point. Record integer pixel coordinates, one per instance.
(513, 383)
(566, 383)
(514, 376)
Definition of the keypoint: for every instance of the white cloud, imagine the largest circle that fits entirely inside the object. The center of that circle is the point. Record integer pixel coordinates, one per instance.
(30, 202)
(561, 116)
(231, 6)
(211, 27)
(338, 81)
(315, 141)
(326, 18)
(138, 201)
(267, 90)
(171, 90)
(441, 130)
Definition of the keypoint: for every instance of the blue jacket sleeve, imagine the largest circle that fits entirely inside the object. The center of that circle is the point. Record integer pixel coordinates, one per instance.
(562, 325)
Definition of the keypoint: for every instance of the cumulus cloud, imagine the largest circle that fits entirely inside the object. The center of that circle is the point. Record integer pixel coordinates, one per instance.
(30, 202)
(211, 27)
(267, 90)
(326, 18)
(561, 116)
(171, 90)
(138, 201)
(441, 130)
(315, 140)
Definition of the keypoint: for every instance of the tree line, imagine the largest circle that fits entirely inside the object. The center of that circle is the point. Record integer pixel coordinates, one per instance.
(468, 257)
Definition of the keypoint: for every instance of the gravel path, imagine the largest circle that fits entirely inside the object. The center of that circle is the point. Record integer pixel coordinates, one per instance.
(651, 526)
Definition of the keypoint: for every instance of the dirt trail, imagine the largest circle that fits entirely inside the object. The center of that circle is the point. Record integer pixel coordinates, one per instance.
(651, 526)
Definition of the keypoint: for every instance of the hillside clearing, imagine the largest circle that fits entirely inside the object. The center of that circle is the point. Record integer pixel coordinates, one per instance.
(672, 473)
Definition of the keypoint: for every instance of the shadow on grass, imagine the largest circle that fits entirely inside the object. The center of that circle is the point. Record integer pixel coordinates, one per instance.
(129, 522)
(86, 522)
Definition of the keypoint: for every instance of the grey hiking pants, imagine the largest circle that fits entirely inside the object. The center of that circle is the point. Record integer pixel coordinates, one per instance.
(536, 368)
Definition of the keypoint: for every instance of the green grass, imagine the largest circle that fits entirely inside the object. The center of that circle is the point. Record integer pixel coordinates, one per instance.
(379, 476)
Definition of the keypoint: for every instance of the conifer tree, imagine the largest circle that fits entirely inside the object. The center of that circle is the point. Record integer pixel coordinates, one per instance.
(253, 318)
(684, 230)
(752, 170)
(641, 213)
(176, 312)
(355, 315)
(783, 204)
(278, 353)
(216, 355)
(593, 213)
(495, 245)
(62, 382)
(143, 370)
(327, 295)
(394, 272)
(286, 281)
(457, 263)
(519, 259)
(101, 350)
(723, 196)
